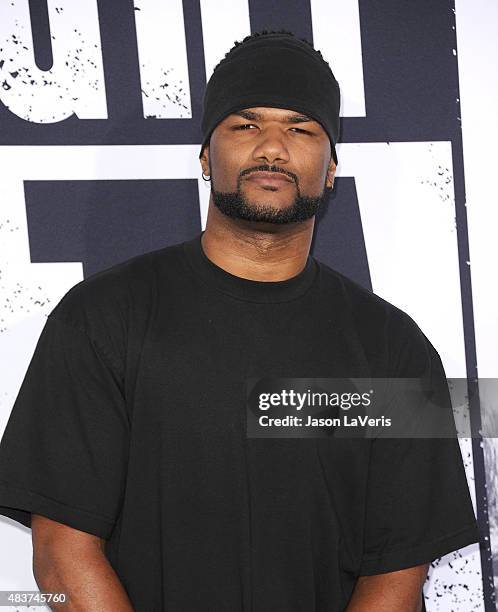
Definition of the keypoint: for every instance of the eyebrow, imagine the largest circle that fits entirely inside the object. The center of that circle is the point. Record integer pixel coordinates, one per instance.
(258, 117)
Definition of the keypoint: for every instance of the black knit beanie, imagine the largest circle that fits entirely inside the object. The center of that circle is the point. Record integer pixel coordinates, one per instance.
(276, 70)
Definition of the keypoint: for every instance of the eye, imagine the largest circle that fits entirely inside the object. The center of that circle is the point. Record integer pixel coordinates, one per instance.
(248, 125)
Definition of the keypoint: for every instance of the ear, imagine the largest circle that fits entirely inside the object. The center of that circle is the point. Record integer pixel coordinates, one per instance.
(331, 173)
(204, 158)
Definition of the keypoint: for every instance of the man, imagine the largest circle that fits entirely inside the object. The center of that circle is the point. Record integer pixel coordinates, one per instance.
(127, 451)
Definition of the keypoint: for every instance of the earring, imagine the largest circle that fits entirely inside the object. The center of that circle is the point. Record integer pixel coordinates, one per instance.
(206, 178)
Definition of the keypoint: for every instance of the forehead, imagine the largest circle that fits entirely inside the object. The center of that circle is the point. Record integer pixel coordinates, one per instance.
(266, 113)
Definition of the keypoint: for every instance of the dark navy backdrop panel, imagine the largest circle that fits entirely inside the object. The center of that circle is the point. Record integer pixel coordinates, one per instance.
(101, 222)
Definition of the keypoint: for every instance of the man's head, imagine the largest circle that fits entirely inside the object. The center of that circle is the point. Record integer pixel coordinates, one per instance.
(272, 104)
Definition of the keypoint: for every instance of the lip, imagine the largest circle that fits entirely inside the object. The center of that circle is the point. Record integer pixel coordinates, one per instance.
(269, 178)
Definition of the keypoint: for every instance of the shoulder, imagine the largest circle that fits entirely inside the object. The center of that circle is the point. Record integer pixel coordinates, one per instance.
(113, 304)
(360, 299)
(376, 318)
(116, 289)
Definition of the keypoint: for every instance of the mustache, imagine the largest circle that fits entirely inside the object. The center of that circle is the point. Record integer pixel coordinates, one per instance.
(268, 169)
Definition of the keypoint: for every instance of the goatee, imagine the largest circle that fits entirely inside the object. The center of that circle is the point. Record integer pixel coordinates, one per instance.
(235, 205)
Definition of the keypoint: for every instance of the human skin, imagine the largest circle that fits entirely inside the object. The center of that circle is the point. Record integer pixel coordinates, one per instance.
(390, 592)
(257, 250)
(69, 561)
(266, 251)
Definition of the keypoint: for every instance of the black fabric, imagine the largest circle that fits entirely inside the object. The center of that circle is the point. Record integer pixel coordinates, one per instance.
(275, 71)
(130, 425)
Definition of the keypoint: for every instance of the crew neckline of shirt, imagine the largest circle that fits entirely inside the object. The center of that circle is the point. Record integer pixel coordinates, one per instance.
(244, 288)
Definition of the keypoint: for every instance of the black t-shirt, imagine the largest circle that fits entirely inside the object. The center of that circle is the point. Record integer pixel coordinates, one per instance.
(130, 425)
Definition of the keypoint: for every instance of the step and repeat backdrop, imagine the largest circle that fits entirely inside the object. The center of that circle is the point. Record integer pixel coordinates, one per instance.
(100, 110)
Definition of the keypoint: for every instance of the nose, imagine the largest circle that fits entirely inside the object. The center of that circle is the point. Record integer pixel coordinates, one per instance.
(271, 146)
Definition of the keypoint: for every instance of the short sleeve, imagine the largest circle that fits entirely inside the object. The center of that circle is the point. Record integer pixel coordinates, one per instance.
(64, 450)
(418, 505)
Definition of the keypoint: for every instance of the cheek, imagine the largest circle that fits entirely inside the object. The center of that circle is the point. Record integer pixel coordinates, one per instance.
(310, 161)
(312, 176)
(224, 160)
(225, 172)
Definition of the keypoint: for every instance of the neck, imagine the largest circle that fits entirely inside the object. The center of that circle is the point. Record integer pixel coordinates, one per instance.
(257, 251)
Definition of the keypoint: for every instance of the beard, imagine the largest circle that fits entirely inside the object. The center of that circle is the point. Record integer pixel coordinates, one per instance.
(235, 205)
